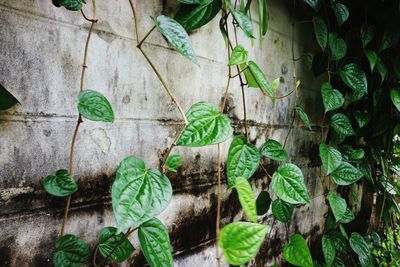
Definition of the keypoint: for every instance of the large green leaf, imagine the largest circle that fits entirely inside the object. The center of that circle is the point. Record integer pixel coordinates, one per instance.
(346, 174)
(337, 46)
(303, 116)
(246, 198)
(274, 150)
(338, 205)
(60, 184)
(354, 77)
(328, 249)
(395, 96)
(176, 35)
(341, 12)
(367, 35)
(241, 18)
(207, 126)
(348, 216)
(288, 184)
(239, 56)
(138, 194)
(192, 17)
(259, 77)
(114, 246)
(331, 98)
(94, 106)
(173, 162)
(71, 251)
(330, 158)
(361, 248)
(342, 125)
(155, 244)
(73, 5)
(7, 100)
(320, 31)
(243, 159)
(263, 202)
(282, 210)
(240, 241)
(296, 252)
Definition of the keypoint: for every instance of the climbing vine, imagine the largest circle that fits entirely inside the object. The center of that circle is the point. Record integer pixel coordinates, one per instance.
(357, 54)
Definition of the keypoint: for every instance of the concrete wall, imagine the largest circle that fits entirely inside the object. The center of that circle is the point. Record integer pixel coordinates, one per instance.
(41, 51)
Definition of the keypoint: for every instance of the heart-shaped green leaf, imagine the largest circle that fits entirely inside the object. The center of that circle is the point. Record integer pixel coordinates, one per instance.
(239, 56)
(260, 79)
(113, 246)
(71, 251)
(330, 158)
(243, 21)
(60, 184)
(192, 17)
(296, 252)
(73, 5)
(95, 107)
(7, 100)
(207, 126)
(346, 174)
(320, 31)
(342, 125)
(138, 194)
(337, 46)
(155, 244)
(274, 150)
(338, 205)
(360, 247)
(263, 202)
(354, 77)
(348, 216)
(341, 12)
(243, 159)
(173, 162)
(367, 35)
(176, 35)
(246, 198)
(361, 118)
(328, 249)
(288, 184)
(282, 210)
(303, 116)
(240, 241)
(395, 96)
(331, 98)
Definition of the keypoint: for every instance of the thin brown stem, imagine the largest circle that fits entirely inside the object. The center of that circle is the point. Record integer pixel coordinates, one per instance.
(95, 255)
(237, 74)
(246, 126)
(145, 37)
(170, 149)
(219, 200)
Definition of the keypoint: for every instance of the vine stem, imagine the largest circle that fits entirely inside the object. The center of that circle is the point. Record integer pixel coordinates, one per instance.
(79, 120)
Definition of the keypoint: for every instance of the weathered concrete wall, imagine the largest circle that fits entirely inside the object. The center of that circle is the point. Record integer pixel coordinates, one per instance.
(41, 51)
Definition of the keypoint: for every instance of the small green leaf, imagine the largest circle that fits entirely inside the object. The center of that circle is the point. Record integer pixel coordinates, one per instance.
(259, 77)
(357, 154)
(372, 58)
(313, 3)
(274, 150)
(282, 210)
(7, 100)
(288, 184)
(330, 158)
(239, 56)
(303, 116)
(341, 12)
(296, 252)
(240, 241)
(342, 125)
(328, 249)
(321, 32)
(338, 205)
(276, 83)
(207, 126)
(367, 35)
(346, 174)
(337, 46)
(246, 198)
(243, 159)
(176, 35)
(347, 217)
(115, 246)
(361, 118)
(192, 17)
(155, 244)
(395, 96)
(138, 194)
(263, 202)
(354, 77)
(71, 251)
(360, 247)
(331, 98)
(263, 17)
(73, 5)
(173, 162)
(60, 184)
(95, 107)
(243, 20)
